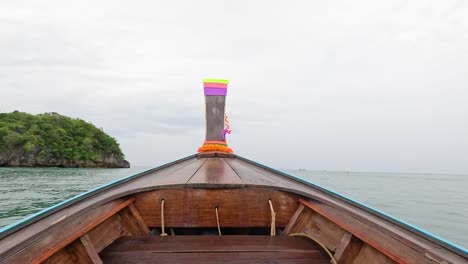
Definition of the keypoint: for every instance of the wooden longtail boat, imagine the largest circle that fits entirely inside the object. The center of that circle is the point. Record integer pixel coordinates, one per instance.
(215, 207)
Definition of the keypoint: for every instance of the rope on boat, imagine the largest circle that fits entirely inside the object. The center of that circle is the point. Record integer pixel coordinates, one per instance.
(217, 221)
(163, 232)
(273, 220)
(332, 258)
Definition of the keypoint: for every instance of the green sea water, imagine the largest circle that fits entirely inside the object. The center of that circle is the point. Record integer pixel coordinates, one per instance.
(437, 203)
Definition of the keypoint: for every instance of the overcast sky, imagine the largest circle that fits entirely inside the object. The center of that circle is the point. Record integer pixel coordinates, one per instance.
(325, 85)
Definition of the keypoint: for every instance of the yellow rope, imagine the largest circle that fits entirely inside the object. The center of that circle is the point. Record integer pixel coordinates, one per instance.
(217, 221)
(332, 258)
(163, 233)
(273, 220)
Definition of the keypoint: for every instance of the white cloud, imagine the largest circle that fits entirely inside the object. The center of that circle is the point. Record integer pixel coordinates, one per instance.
(360, 85)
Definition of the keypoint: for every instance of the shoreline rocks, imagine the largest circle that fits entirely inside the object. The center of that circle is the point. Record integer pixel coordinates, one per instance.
(20, 159)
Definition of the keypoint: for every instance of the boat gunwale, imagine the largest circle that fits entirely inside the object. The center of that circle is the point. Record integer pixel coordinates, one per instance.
(11, 228)
(407, 226)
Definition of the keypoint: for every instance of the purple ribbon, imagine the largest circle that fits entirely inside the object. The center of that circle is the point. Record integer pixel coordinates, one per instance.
(215, 91)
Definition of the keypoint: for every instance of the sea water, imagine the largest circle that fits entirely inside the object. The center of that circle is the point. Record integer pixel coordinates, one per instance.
(436, 203)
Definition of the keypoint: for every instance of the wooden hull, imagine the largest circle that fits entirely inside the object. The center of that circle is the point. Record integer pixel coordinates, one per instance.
(209, 193)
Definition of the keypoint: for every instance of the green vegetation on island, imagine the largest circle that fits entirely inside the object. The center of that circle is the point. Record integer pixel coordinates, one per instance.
(51, 139)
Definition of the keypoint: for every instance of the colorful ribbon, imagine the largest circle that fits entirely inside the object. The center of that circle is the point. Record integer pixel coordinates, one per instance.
(210, 80)
(227, 129)
(215, 91)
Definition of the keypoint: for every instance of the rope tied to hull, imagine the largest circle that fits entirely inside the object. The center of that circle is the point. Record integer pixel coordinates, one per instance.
(163, 232)
(217, 221)
(273, 219)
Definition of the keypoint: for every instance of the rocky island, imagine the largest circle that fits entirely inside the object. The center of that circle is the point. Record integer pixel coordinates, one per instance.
(54, 140)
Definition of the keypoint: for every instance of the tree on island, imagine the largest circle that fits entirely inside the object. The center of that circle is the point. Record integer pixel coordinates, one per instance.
(51, 139)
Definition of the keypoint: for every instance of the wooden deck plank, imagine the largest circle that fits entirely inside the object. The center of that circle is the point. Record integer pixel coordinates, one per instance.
(210, 244)
(216, 258)
(215, 173)
(214, 249)
(251, 175)
(180, 176)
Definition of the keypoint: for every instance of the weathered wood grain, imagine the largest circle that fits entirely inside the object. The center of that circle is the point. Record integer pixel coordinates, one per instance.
(251, 175)
(60, 236)
(178, 177)
(214, 106)
(348, 249)
(138, 219)
(292, 221)
(245, 207)
(214, 249)
(371, 236)
(216, 258)
(53, 248)
(318, 227)
(368, 254)
(79, 254)
(131, 223)
(90, 250)
(210, 244)
(440, 255)
(74, 253)
(215, 173)
(61, 257)
(107, 232)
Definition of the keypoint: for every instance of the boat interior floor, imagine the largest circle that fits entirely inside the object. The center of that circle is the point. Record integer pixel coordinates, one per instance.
(213, 249)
